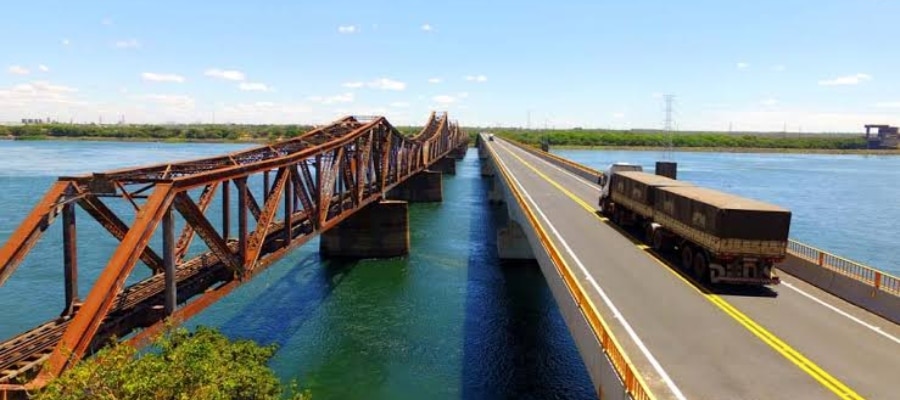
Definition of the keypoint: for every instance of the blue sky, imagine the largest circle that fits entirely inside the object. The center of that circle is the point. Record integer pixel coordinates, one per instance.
(830, 65)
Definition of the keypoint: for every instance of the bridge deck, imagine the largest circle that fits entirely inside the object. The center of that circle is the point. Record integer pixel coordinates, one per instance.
(763, 343)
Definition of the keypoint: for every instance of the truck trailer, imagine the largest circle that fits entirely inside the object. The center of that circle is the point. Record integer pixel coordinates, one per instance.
(720, 237)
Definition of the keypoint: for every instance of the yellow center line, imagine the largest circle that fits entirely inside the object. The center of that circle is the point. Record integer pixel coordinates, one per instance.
(813, 370)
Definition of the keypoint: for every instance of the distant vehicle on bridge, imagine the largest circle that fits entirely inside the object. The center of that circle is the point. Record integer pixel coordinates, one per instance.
(721, 238)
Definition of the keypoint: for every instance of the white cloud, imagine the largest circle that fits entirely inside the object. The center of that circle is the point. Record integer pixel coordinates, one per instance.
(888, 104)
(444, 99)
(227, 74)
(387, 84)
(618, 115)
(348, 29)
(353, 85)
(769, 102)
(18, 70)
(778, 68)
(65, 42)
(846, 80)
(435, 80)
(254, 87)
(462, 95)
(340, 98)
(155, 77)
(127, 44)
(31, 95)
(427, 28)
(399, 104)
(170, 100)
(476, 78)
(43, 68)
(742, 65)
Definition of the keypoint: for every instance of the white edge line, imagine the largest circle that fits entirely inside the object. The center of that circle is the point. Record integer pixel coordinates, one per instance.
(616, 314)
(576, 177)
(874, 328)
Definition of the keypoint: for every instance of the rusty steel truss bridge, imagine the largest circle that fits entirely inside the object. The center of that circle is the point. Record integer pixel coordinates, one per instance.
(310, 184)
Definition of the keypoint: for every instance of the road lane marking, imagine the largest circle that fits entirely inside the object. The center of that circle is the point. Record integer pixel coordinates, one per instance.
(618, 315)
(813, 370)
(874, 328)
(577, 178)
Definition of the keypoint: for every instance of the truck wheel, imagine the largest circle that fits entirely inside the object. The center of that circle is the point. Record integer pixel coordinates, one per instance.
(701, 268)
(687, 258)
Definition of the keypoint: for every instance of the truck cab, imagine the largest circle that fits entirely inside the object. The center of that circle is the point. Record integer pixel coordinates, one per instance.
(605, 178)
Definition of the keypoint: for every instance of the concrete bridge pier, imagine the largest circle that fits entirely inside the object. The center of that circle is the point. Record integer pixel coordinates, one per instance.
(446, 165)
(459, 153)
(380, 230)
(424, 187)
(512, 244)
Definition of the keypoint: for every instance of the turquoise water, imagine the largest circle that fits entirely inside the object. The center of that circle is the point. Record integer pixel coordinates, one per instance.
(448, 321)
(844, 204)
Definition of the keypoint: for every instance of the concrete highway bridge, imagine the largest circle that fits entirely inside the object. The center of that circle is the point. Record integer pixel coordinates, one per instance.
(646, 329)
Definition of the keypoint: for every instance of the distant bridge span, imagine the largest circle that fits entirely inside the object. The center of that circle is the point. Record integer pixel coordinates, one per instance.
(318, 180)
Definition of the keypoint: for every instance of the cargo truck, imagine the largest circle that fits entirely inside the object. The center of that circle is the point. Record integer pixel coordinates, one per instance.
(720, 237)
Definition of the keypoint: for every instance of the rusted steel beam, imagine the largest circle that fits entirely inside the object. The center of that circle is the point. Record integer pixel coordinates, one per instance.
(80, 332)
(187, 233)
(170, 295)
(253, 205)
(27, 234)
(70, 259)
(114, 225)
(255, 241)
(242, 216)
(226, 210)
(193, 216)
(290, 197)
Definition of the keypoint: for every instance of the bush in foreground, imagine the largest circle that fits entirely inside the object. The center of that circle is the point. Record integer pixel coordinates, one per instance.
(179, 365)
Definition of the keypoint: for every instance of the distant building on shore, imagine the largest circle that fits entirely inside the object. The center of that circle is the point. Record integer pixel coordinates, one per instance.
(886, 137)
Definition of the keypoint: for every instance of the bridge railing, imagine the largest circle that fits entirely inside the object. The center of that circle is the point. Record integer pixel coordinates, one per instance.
(878, 279)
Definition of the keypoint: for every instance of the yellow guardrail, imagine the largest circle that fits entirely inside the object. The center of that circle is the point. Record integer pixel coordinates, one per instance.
(634, 384)
(878, 279)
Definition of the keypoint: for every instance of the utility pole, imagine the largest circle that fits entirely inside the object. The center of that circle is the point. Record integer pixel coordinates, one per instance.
(528, 120)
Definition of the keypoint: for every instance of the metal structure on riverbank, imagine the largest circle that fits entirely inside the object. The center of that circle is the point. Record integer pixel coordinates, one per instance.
(309, 184)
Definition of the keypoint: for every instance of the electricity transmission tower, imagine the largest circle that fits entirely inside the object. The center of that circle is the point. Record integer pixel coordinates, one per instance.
(670, 100)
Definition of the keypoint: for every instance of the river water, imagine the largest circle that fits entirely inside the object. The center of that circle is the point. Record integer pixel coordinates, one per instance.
(448, 321)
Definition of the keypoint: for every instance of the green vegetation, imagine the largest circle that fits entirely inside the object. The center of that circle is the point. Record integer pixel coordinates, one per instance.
(179, 365)
(578, 137)
(572, 137)
(230, 133)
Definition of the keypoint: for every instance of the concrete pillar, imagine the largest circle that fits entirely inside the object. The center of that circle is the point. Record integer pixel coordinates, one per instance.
(424, 187)
(512, 244)
(495, 195)
(460, 152)
(446, 165)
(378, 230)
(487, 168)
